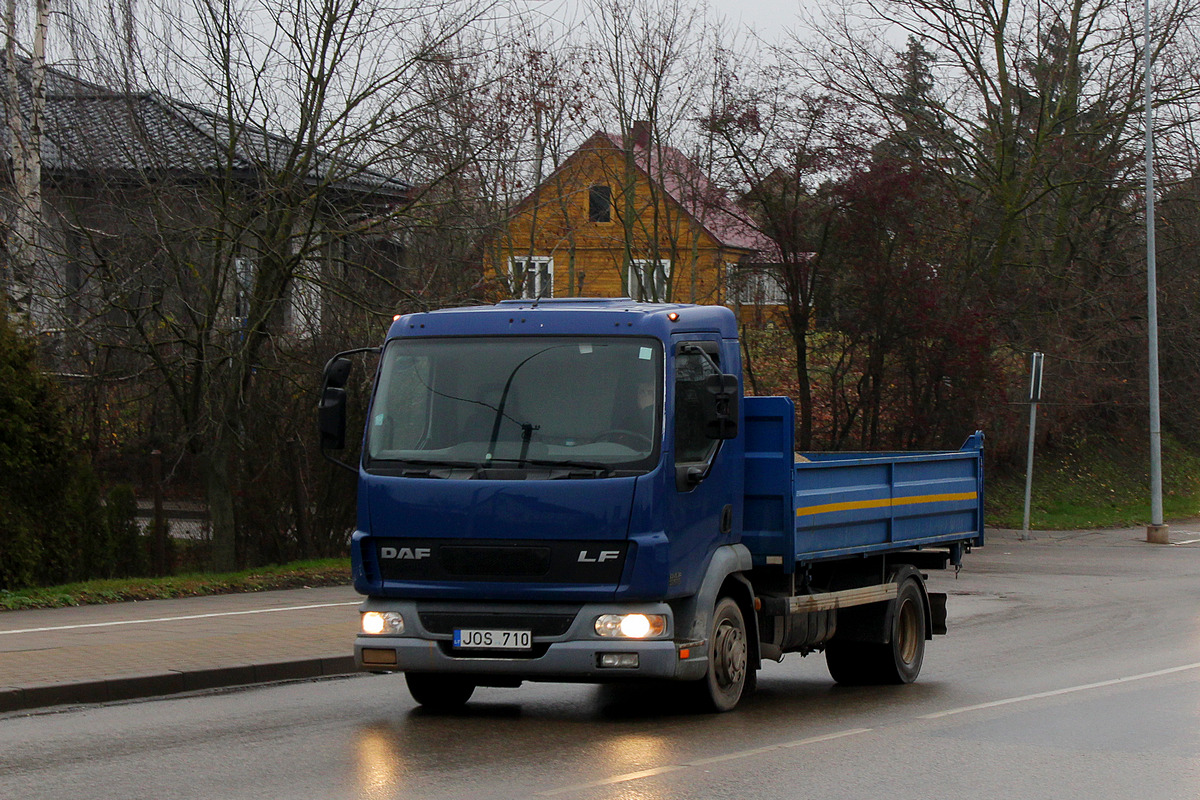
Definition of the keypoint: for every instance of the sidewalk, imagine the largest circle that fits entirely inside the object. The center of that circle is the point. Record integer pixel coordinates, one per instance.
(1182, 533)
(123, 651)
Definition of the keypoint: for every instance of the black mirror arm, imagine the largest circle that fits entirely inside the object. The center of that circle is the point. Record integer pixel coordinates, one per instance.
(697, 350)
(338, 462)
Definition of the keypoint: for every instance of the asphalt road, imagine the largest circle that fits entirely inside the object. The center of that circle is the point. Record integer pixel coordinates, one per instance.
(1072, 670)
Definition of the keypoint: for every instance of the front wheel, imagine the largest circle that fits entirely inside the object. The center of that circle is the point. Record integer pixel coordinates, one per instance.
(729, 672)
(439, 692)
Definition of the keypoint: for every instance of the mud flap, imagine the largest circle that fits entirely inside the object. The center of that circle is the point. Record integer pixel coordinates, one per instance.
(937, 613)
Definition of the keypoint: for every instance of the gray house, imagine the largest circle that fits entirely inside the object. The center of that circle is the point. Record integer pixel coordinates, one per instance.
(156, 209)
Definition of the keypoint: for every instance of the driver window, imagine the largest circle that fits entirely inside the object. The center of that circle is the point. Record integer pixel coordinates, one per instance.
(691, 369)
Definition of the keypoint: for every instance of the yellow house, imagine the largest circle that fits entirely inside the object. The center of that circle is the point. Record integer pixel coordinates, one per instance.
(641, 222)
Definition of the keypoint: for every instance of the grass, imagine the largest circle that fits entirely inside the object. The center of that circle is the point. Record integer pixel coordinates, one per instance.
(1099, 483)
(301, 574)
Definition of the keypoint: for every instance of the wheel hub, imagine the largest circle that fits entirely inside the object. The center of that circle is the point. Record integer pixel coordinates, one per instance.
(729, 655)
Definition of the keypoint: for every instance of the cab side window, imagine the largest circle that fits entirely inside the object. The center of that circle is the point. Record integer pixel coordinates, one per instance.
(692, 447)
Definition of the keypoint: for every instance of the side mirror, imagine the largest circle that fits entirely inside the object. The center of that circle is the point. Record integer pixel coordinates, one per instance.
(331, 411)
(721, 410)
(331, 414)
(331, 418)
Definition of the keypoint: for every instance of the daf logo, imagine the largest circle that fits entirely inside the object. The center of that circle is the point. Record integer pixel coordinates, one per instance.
(405, 553)
(586, 557)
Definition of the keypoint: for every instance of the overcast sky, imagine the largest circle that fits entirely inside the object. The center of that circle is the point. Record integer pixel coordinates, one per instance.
(768, 17)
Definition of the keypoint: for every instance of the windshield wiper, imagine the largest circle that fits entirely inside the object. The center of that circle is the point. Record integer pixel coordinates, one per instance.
(593, 467)
(424, 467)
(436, 462)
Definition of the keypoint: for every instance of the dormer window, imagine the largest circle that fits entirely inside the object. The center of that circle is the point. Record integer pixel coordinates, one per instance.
(600, 203)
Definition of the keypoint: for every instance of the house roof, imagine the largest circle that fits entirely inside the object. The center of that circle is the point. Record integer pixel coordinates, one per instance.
(686, 184)
(89, 128)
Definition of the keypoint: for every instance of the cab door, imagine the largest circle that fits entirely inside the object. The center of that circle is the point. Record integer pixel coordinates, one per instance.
(704, 503)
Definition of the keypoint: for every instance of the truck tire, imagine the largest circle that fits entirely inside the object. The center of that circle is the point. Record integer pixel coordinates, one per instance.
(729, 674)
(894, 662)
(909, 630)
(439, 692)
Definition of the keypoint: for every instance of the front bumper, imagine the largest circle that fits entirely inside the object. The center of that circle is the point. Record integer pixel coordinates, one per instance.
(573, 655)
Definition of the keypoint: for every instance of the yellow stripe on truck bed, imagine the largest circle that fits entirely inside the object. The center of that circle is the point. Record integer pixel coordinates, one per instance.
(887, 502)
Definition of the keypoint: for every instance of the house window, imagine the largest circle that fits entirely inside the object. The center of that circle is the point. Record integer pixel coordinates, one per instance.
(757, 285)
(649, 280)
(600, 203)
(532, 278)
(243, 275)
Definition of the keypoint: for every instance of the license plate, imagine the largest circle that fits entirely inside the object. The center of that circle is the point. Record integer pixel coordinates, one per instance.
(474, 639)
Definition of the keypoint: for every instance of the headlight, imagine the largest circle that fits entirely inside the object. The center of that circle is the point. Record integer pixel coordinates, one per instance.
(382, 622)
(631, 626)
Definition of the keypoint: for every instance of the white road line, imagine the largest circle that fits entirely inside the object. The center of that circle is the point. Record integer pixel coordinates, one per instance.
(650, 773)
(175, 619)
(1060, 692)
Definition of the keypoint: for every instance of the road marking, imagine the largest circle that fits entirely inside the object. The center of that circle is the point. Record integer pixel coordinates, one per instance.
(650, 773)
(1060, 692)
(176, 619)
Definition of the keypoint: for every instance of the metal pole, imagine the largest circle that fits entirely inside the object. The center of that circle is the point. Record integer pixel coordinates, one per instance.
(1029, 469)
(1036, 361)
(1156, 531)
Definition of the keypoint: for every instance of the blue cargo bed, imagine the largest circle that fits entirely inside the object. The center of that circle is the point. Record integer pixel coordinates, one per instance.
(832, 505)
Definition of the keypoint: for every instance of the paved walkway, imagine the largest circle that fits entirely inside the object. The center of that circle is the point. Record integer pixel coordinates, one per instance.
(95, 654)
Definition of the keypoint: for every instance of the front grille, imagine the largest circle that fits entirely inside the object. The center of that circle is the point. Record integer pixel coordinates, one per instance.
(537, 624)
(490, 561)
(572, 561)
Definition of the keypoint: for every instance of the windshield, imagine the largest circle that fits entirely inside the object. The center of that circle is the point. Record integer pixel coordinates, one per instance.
(585, 403)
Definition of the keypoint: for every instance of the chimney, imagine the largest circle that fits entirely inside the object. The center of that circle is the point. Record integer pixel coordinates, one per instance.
(640, 135)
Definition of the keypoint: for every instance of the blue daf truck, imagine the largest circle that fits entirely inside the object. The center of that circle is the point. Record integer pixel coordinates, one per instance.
(579, 490)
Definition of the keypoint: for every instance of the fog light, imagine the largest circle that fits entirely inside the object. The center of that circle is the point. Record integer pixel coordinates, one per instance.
(619, 660)
(631, 626)
(376, 657)
(375, 623)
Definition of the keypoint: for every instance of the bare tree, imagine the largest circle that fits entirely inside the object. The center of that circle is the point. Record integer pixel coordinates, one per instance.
(24, 128)
(651, 86)
(1028, 116)
(215, 231)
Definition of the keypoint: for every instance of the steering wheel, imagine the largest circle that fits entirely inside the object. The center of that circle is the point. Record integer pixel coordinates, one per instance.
(617, 434)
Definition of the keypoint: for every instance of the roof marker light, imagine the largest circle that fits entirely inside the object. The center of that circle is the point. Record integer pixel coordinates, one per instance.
(673, 316)
(395, 318)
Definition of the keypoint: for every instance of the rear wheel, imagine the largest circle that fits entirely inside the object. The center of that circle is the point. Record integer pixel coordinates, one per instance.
(729, 673)
(908, 636)
(896, 661)
(439, 692)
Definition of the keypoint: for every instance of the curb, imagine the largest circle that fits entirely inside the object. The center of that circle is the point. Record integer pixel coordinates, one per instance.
(159, 684)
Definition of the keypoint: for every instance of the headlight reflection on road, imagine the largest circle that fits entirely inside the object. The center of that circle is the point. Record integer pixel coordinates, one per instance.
(634, 751)
(380, 763)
